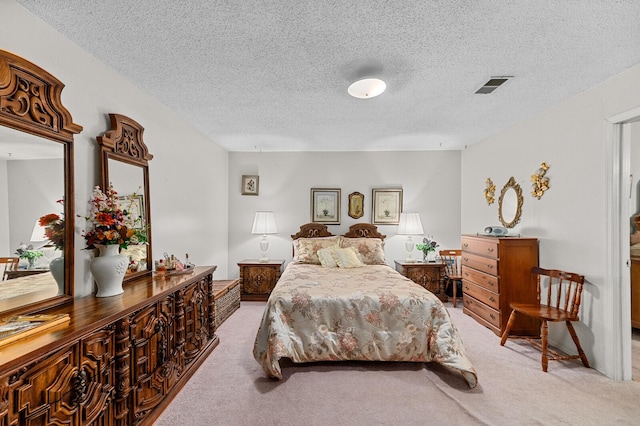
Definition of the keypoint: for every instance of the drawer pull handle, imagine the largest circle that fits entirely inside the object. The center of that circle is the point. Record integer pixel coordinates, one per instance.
(466, 288)
(490, 250)
(465, 245)
(493, 317)
(490, 266)
(492, 299)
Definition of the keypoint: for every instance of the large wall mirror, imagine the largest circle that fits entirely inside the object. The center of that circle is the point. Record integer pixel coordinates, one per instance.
(36, 180)
(125, 165)
(510, 204)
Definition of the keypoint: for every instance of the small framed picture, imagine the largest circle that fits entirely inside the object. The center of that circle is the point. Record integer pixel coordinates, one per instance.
(387, 206)
(250, 184)
(356, 205)
(325, 205)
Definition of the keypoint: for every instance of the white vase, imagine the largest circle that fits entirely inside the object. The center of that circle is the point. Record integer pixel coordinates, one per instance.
(108, 269)
(56, 266)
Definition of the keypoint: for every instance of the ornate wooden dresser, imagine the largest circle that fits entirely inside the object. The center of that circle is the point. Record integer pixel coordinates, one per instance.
(119, 361)
(497, 271)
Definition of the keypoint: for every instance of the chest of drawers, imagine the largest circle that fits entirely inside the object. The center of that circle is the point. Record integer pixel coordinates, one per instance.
(496, 272)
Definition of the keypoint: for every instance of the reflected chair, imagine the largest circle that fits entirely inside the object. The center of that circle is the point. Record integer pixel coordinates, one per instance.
(453, 272)
(8, 264)
(559, 296)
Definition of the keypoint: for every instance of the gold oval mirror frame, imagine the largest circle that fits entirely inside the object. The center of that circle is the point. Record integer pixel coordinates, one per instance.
(510, 204)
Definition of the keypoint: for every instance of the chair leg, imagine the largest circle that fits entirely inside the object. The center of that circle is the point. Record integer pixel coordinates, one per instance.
(544, 335)
(574, 336)
(455, 287)
(505, 335)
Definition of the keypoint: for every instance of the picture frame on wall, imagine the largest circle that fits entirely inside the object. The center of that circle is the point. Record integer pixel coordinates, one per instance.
(325, 205)
(386, 206)
(356, 205)
(250, 184)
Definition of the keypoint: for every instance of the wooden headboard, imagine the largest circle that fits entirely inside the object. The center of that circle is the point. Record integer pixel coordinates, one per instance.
(359, 230)
(364, 230)
(312, 230)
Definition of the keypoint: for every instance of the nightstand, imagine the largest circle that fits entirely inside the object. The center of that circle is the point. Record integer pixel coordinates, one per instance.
(257, 278)
(428, 275)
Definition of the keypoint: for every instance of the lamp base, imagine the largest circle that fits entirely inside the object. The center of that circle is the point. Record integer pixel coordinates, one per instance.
(263, 259)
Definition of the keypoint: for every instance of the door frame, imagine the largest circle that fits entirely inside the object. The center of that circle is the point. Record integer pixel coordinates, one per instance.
(617, 291)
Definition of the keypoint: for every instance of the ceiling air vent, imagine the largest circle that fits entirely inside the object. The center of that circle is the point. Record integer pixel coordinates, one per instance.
(492, 84)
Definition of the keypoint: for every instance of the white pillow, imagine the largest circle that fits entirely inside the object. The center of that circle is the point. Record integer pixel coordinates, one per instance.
(326, 257)
(347, 257)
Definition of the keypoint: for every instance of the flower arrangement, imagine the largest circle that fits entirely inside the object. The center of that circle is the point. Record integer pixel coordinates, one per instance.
(53, 225)
(112, 224)
(428, 245)
(27, 252)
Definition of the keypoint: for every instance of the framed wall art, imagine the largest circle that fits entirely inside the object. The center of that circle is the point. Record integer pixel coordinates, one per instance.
(325, 205)
(387, 206)
(250, 184)
(356, 205)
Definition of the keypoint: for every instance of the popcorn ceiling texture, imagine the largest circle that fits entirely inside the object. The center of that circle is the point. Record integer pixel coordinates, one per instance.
(272, 75)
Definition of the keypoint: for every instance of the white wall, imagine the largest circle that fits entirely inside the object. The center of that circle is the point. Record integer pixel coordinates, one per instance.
(5, 243)
(188, 174)
(430, 181)
(569, 220)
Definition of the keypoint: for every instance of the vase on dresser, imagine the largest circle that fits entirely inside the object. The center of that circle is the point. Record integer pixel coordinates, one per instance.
(56, 266)
(108, 270)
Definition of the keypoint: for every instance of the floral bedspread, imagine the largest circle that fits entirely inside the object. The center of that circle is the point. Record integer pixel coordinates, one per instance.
(370, 313)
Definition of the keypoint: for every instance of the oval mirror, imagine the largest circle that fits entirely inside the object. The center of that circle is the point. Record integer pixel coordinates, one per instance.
(510, 204)
(36, 177)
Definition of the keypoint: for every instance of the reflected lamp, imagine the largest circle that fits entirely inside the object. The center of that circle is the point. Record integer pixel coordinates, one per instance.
(410, 224)
(264, 223)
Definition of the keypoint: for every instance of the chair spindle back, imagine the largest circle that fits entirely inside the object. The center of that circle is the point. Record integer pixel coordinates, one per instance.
(563, 290)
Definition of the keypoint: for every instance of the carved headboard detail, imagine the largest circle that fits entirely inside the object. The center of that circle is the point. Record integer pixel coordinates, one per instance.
(364, 230)
(312, 230)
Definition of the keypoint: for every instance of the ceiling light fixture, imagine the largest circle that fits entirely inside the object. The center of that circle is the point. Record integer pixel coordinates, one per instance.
(367, 88)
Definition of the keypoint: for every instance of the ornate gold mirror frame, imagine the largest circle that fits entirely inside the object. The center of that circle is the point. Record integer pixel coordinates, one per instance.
(30, 102)
(510, 204)
(125, 160)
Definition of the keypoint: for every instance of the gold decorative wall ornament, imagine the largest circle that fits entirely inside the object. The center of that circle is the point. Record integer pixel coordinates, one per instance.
(540, 183)
(489, 192)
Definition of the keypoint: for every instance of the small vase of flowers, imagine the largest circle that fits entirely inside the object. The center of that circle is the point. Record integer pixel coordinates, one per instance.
(27, 252)
(112, 229)
(427, 247)
(53, 225)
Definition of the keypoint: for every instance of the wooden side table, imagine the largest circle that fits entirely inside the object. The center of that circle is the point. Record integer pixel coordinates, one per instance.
(428, 275)
(257, 278)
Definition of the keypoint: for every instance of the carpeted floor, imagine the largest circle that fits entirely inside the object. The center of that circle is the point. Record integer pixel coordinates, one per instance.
(230, 388)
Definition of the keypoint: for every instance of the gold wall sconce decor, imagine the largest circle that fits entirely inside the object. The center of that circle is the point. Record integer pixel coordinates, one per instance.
(540, 183)
(489, 192)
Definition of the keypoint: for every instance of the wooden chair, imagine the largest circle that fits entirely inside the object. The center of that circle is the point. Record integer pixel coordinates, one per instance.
(558, 301)
(453, 272)
(8, 264)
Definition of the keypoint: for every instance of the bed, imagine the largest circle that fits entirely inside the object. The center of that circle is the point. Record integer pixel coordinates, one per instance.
(357, 308)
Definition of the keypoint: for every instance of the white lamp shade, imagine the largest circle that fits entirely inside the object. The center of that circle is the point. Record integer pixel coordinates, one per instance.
(410, 224)
(37, 235)
(264, 223)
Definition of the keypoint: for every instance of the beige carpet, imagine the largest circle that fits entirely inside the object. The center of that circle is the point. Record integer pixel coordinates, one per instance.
(230, 388)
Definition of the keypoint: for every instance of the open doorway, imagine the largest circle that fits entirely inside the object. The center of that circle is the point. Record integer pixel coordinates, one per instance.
(631, 131)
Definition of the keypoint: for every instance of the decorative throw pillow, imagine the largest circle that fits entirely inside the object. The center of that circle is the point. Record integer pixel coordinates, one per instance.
(370, 250)
(326, 257)
(347, 257)
(308, 248)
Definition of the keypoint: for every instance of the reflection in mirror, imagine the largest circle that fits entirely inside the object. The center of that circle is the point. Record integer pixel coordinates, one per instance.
(510, 204)
(31, 104)
(128, 180)
(32, 172)
(125, 165)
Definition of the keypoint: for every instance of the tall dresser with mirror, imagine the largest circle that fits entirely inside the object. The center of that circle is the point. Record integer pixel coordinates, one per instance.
(117, 360)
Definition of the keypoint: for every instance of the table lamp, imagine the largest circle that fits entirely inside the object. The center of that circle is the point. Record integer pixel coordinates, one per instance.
(410, 224)
(264, 223)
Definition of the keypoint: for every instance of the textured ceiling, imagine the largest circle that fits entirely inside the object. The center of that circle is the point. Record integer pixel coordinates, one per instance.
(273, 75)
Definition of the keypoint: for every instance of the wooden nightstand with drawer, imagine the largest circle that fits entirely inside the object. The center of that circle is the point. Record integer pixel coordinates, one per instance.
(428, 275)
(257, 278)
